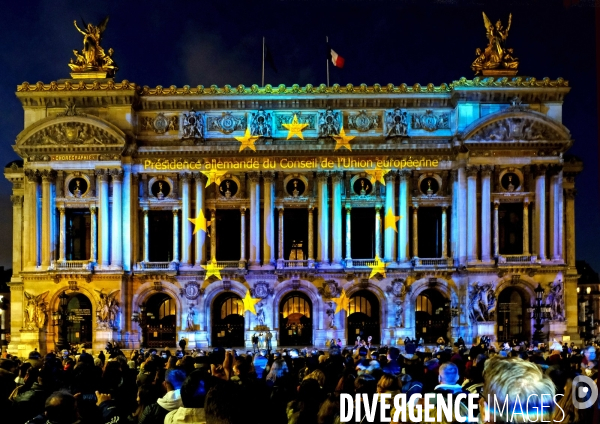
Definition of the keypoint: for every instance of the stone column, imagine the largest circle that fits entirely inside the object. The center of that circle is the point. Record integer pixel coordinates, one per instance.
(186, 225)
(48, 177)
(63, 234)
(496, 231)
(176, 235)
(540, 210)
(254, 218)
(323, 217)
(200, 181)
(213, 235)
(570, 204)
(462, 215)
(472, 213)
(415, 235)
(30, 221)
(93, 235)
(526, 226)
(560, 217)
(348, 235)
(486, 215)
(280, 236)
(336, 201)
(444, 233)
(555, 212)
(243, 235)
(403, 241)
(116, 258)
(269, 220)
(103, 177)
(129, 209)
(378, 231)
(18, 219)
(135, 216)
(389, 233)
(311, 238)
(146, 236)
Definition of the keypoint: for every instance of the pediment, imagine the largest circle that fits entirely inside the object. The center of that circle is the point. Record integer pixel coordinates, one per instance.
(77, 133)
(516, 125)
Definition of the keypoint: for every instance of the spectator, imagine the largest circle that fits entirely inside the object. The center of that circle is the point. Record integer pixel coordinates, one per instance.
(31, 403)
(155, 413)
(59, 408)
(193, 394)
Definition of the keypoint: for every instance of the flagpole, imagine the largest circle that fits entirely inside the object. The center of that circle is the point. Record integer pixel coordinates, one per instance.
(327, 60)
(263, 64)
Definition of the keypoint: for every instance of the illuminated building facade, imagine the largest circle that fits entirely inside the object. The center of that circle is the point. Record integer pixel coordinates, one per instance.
(314, 212)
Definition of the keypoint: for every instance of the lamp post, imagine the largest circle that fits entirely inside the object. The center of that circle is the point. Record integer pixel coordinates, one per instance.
(140, 318)
(539, 313)
(61, 319)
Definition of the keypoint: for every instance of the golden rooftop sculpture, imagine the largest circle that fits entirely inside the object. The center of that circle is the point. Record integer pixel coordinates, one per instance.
(93, 62)
(496, 59)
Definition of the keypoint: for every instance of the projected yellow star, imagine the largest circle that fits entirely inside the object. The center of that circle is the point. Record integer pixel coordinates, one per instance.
(391, 219)
(247, 140)
(378, 267)
(294, 128)
(212, 269)
(213, 177)
(343, 140)
(377, 174)
(249, 303)
(200, 222)
(341, 302)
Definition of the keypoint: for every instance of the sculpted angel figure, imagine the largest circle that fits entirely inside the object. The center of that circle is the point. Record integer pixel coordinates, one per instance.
(108, 309)
(91, 41)
(495, 55)
(35, 311)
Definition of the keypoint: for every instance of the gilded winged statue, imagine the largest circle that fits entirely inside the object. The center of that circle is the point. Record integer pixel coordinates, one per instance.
(108, 309)
(35, 311)
(92, 56)
(495, 58)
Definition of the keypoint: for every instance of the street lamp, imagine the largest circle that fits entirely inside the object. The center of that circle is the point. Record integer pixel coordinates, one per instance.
(61, 319)
(140, 318)
(539, 313)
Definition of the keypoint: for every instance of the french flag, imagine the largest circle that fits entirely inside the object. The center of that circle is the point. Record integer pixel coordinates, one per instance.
(336, 59)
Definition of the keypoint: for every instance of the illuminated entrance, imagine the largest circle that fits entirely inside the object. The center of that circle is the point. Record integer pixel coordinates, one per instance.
(432, 316)
(161, 317)
(513, 321)
(79, 309)
(295, 320)
(228, 321)
(363, 317)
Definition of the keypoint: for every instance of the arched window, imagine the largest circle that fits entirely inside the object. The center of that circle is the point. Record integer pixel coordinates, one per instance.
(296, 305)
(232, 306)
(359, 304)
(167, 308)
(424, 305)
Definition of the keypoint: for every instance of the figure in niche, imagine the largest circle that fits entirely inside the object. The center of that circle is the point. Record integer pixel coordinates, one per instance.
(260, 124)
(77, 191)
(190, 319)
(227, 192)
(399, 315)
(330, 315)
(160, 195)
(295, 193)
(510, 187)
(260, 314)
(328, 124)
(192, 125)
(429, 190)
(363, 190)
(556, 301)
(397, 123)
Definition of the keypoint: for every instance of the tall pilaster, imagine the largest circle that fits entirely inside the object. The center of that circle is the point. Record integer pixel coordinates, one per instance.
(311, 236)
(93, 235)
(570, 215)
(323, 219)
(254, 218)
(48, 177)
(176, 235)
(389, 233)
(135, 216)
(200, 181)
(62, 234)
(496, 231)
(403, 241)
(415, 235)
(30, 220)
(213, 235)
(444, 233)
(540, 210)
(186, 225)
(18, 254)
(103, 177)
(486, 216)
(472, 213)
(243, 235)
(378, 231)
(461, 212)
(526, 226)
(348, 235)
(129, 206)
(146, 236)
(555, 212)
(336, 200)
(280, 235)
(269, 219)
(116, 258)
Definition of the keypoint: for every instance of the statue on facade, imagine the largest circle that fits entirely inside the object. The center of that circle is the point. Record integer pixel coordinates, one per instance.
(108, 310)
(260, 124)
(93, 57)
(495, 58)
(396, 123)
(556, 301)
(260, 314)
(330, 315)
(193, 126)
(190, 319)
(399, 314)
(329, 123)
(35, 311)
(483, 302)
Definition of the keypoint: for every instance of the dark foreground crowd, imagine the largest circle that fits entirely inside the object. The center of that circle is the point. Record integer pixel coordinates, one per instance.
(222, 387)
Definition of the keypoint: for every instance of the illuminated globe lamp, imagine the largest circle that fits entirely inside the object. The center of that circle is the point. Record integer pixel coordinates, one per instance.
(539, 313)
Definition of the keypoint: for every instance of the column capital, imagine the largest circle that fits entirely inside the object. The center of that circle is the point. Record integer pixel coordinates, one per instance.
(348, 207)
(61, 209)
(404, 174)
(311, 208)
(254, 176)
(268, 176)
(200, 177)
(496, 204)
(135, 178)
(243, 210)
(16, 200)
(48, 175)
(185, 177)
(486, 170)
(540, 170)
(93, 209)
(472, 170)
(32, 175)
(570, 193)
(526, 202)
(444, 209)
(116, 174)
(103, 174)
(377, 208)
(175, 211)
(555, 169)
(415, 207)
(322, 176)
(280, 209)
(390, 176)
(336, 176)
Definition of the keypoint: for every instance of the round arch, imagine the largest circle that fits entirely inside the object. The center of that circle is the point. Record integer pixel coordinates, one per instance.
(510, 326)
(86, 327)
(147, 289)
(296, 317)
(212, 291)
(305, 287)
(227, 320)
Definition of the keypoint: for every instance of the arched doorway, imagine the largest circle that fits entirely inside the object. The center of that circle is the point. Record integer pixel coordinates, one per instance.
(161, 321)
(228, 320)
(79, 308)
(363, 317)
(513, 321)
(295, 320)
(432, 316)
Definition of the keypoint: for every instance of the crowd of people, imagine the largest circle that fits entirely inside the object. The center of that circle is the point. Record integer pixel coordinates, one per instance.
(285, 386)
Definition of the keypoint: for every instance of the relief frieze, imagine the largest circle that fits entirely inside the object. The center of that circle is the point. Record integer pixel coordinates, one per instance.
(71, 133)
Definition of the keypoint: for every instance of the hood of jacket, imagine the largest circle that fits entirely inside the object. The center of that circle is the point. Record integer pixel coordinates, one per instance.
(186, 415)
(171, 401)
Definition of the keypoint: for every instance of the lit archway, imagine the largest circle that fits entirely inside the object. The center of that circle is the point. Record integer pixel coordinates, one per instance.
(512, 317)
(228, 320)
(160, 321)
(79, 308)
(295, 318)
(363, 317)
(432, 316)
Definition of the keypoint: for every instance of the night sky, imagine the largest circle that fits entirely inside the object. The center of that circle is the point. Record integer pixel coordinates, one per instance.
(220, 42)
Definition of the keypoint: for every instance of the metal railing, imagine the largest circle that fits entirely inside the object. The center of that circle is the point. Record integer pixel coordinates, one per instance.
(517, 259)
(72, 265)
(157, 266)
(434, 262)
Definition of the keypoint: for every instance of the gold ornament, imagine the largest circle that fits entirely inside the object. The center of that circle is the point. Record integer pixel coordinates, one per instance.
(343, 140)
(213, 177)
(249, 303)
(212, 269)
(248, 140)
(341, 302)
(495, 59)
(200, 222)
(391, 219)
(377, 174)
(295, 128)
(378, 267)
(92, 62)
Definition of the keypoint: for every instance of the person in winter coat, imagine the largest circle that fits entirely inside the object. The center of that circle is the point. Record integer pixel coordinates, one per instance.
(193, 394)
(156, 413)
(59, 408)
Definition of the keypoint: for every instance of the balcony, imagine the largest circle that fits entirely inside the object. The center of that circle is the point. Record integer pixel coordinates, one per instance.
(156, 266)
(231, 265)
(295, 264)
(361, 263)
(72, 266)
(433, 262)
(517, 259)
